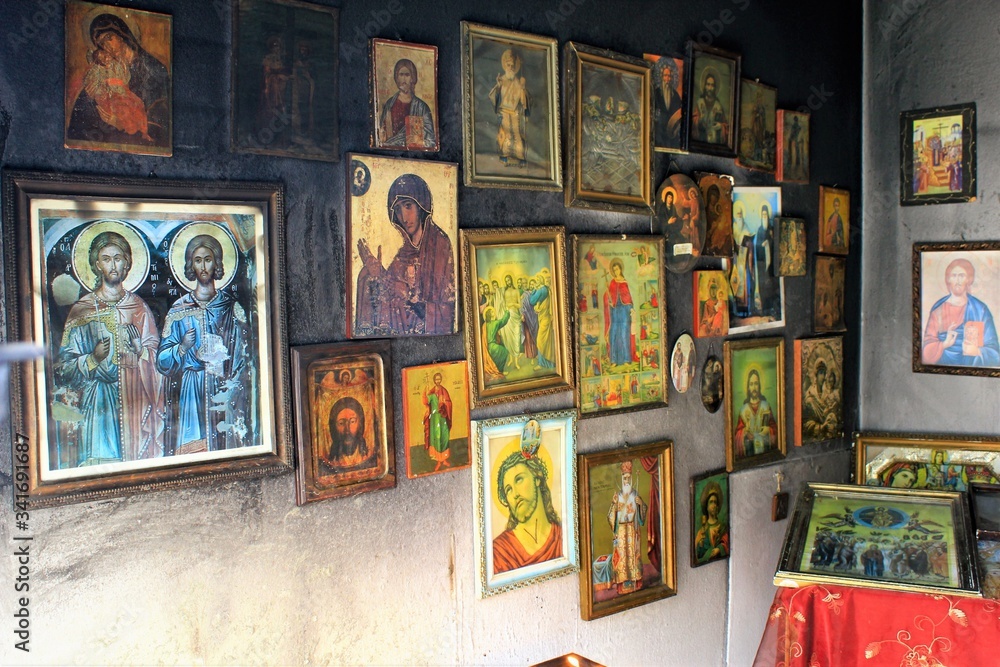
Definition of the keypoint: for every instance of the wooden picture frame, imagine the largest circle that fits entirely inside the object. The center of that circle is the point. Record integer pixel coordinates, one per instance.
(436, 430)
(496, 105)
(710, 537)
(748, 426)
(343, 408)
(621, 323)
(937, 160)
(834, 220)
(829, 293)
(97, 269)
(793, 146)
(711, 128)
(402, 247)
(757, 295)
(543, 363)
(530, 455)
(789, 247)
(401, 70)
(758, 126)
(925, 461)
(669, 112)
(627, 534)
(108, 108)
(608, 130)
(956, 274)
(285, 85)
(819, 389)
(934, 526)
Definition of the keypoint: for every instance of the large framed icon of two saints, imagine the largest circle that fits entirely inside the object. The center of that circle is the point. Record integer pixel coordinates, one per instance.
(159, 305)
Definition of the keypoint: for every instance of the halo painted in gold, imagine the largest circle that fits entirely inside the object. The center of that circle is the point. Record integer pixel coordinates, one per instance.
(179, 244)
(81, 254)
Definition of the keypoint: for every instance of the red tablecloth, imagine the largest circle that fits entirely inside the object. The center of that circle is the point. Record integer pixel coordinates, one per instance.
(821, 626)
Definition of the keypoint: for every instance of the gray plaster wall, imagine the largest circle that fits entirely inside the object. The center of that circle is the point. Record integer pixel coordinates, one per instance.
(236, 573)
(914, 60)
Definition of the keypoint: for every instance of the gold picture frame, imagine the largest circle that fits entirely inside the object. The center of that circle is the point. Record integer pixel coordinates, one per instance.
(541, 363)
(749, 426)
(527, 455)
(638, 362)
(614, 576)
(510, 90)
(936, 526)
(931, 461)
(607, 117)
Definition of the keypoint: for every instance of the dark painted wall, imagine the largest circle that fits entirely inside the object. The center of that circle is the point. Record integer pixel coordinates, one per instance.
(407, 553)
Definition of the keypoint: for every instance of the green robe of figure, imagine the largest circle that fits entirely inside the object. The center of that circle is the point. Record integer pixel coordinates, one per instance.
(439, 435)
(494, 346)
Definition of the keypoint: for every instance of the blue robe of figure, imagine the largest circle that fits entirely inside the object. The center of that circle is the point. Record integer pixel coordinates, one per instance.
(975, 311)
(100, 436)
(543, 328)
(210, 398)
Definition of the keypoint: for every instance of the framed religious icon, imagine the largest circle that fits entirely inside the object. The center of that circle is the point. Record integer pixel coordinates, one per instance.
(510, 109)
(713, 100)
(789, 250)
(717, 193)
(793, 146)
(709, 518)
(819, 395)
(757, 295)
(343, 407)
(404, 96)
(679, 213)
(828, 294)
(515, 281)
(524, 499)
(938, 155)
(988, 555)
(626, 529)
(160, 305)
(712, 382)
(985, 500)
(834, 220)
(683, 360)
(925, 461)
(956, 288)
(901, 540)
(621, 323)
(436, 418)
(755, 401)
(119, 75)
(669, 119)
(285, 92)
(758, 134)
(402, 245)
(608, 130)
(711, 304)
